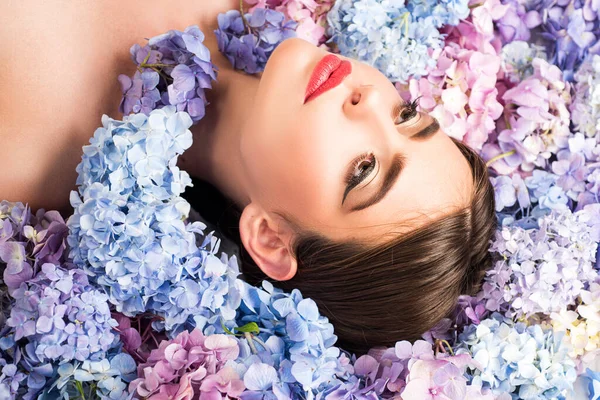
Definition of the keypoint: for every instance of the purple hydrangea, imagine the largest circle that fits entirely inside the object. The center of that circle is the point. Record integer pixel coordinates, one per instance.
(173, 69)
(541, 270)
(248, 41)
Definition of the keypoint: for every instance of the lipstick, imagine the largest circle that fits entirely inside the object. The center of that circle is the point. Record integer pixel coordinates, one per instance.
(328, 73)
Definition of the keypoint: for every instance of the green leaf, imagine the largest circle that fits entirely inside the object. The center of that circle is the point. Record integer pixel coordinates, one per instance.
(250, 327)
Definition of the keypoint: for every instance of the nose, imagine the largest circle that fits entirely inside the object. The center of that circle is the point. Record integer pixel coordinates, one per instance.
(363, 102)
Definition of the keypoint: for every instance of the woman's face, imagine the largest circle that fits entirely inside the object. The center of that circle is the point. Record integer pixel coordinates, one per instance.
(297, 157)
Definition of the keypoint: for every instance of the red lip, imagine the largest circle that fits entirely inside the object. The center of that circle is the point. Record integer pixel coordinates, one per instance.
(328, 73)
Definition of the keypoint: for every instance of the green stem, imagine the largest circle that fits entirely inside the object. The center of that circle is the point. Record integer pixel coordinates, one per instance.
(80, 389)
(499, 157)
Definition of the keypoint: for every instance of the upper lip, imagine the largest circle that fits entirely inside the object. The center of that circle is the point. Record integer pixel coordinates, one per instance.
(323, 71)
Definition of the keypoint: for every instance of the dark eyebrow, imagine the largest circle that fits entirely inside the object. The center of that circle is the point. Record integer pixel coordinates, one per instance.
(428, 131)
(388, 181)
(397, 165)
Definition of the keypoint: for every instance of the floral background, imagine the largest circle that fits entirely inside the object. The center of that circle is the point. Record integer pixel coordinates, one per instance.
(129, 298)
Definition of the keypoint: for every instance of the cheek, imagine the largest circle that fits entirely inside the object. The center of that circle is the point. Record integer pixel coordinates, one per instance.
(297, 171)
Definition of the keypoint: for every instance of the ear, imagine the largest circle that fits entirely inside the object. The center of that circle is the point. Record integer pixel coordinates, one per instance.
(267, 238)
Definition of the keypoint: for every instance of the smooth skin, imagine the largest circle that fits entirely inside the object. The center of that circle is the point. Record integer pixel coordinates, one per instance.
(259, 143)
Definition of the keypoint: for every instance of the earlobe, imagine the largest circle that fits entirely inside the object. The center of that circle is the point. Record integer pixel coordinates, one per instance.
(266, 237)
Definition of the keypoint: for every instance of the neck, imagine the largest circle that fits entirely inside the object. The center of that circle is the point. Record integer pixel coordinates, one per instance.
(215, 152)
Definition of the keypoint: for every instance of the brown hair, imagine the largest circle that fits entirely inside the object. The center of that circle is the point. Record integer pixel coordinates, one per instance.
(375, 295)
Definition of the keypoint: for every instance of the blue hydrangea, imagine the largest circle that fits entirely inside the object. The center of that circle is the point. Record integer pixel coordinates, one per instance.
(393, 36)
(529, 362)
(293, 339)
(109, 378)
(248, 41)
(129, 229)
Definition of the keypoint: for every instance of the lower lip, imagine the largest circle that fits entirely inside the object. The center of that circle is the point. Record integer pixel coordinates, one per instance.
(328, 73)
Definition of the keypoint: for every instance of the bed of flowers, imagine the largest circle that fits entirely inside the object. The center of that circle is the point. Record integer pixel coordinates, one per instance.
(129, 298)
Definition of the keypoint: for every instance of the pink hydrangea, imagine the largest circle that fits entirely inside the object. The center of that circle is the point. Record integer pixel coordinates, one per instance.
(537, 119)
(460, 92)
(190, 366)
(309, 14)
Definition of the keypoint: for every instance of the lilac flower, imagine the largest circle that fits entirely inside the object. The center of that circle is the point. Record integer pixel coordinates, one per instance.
(517, 22)
(539, 125)
(173, 69)
(571, 31)
(571, 171)
(541, 270)
(508, 190)
(248, 41)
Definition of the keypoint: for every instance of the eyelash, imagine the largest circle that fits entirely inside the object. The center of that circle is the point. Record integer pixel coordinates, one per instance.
(351, 178)
(406, 111)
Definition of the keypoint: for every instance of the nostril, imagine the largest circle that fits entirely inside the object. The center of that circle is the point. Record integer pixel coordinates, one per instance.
(355, 98)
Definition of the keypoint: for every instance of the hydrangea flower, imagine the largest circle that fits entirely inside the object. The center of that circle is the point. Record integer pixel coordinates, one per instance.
(394, 36)
(541, 270)
(309, 14)
(106, 378)
(57, 317)
(517, 58)
(62, 316)
(585, 109)
(190, 366)
(248, 41)
(571, 31)
(528, 361)
(172, 69)
(292, 337)
(538, 117)
(411, 371)
(128, 230)
(582, 326)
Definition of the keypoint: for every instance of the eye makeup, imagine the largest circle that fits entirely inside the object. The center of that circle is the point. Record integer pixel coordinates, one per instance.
(359, 169)
(403, 111)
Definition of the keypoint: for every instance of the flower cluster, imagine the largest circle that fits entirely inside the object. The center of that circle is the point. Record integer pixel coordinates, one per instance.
(585, 109)
(412, 371)
(394, 36)
(571, 30)
(190, 366)
(460, 89)
(56, 317)
(129, 298)
(290, 336)
(541, 270)
(128, 228)
(106, 378)
(248, 40)
(582, 326)
(537, 120)
(172, 69)
(529, 361)
(309, 14)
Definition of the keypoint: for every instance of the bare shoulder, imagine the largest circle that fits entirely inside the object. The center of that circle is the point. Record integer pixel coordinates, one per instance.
(63, 58)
